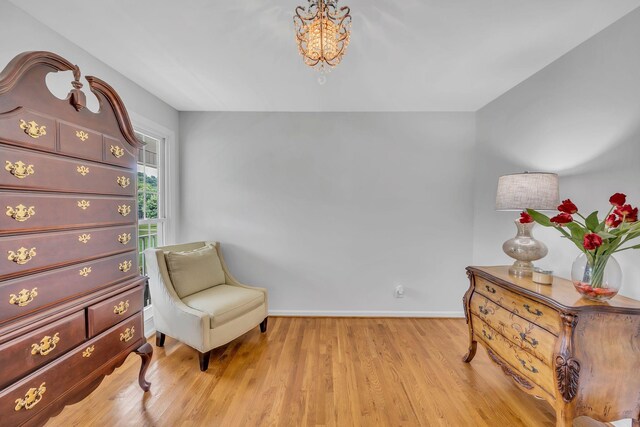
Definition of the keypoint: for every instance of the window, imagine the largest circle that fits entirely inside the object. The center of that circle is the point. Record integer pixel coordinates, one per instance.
(151, 216)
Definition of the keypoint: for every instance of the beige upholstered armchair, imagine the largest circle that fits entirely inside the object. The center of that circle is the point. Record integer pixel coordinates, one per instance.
(197, 301)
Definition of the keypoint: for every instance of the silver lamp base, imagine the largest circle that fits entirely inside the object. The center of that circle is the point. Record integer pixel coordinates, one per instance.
(524, 249)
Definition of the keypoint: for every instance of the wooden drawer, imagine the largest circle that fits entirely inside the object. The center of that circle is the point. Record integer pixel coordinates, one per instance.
(62, 248)
(107, 313)
(80, 142)
(21, 169)
(22, 296)
(524, 363)
(535, 312)
(527, 335)
(29, 212)
(28, 129)
(25, 398)
(117, 153)
(31, 351)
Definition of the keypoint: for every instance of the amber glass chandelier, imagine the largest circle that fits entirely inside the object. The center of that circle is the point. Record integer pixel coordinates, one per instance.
(323, 31)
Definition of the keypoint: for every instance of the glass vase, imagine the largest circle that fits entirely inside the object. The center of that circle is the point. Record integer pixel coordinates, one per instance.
(596, 279)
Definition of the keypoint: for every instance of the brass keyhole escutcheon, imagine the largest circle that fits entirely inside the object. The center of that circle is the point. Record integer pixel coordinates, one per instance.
(124, 238)
(125, 266)
(117, 151)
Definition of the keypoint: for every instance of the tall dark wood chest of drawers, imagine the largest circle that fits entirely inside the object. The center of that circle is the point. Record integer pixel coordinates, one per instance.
(71, 293)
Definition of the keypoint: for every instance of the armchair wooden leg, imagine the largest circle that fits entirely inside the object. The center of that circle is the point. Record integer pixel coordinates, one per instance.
(263, 325)
(160, 339)
(204, 360)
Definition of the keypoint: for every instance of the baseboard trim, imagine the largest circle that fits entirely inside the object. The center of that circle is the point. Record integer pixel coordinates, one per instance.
(381, 313)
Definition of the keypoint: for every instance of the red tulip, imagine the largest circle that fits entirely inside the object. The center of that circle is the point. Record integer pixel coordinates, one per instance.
(563, 218)
(525, 218)
(568, 206)
(627, 213)
(592, 241)
(613, 221)
(618, 199)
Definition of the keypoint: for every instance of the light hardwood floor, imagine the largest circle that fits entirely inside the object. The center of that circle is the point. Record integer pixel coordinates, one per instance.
(318, 372)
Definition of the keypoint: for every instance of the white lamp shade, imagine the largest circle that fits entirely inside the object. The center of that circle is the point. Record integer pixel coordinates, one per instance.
(529, 190)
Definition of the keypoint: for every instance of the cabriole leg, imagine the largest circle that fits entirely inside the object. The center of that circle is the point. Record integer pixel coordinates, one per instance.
(145, 352)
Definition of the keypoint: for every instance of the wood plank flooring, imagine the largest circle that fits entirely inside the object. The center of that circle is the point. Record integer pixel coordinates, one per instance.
(318, 372)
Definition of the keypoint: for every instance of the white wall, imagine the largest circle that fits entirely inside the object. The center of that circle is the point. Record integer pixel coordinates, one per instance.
(329, 211)
(579, 117)
(20, 32)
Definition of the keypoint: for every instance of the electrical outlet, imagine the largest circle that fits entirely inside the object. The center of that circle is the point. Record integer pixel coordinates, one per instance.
(399, 291)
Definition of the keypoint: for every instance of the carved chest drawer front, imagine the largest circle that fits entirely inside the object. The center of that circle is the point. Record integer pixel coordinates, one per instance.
(28, 128)
(35, 392)
(22, 169)
(107, 313)
(531, 310)
(24, 211)
(526, 365)
(527, 335)
(80, 142)
(117, 153)
(55, 249)
(22, 296)
(36, 348)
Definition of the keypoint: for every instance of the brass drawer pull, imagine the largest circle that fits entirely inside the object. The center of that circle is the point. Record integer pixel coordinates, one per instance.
(123, 181)
(82, 135)
(24, 297)
(487, 335)
(89, 351)
(46, 346)
(85, 271)
(31, 399)
(127, 335)
(19, 169)
(490, 289)
(124, 266)
(124, 210)
(124, 238)
(83, 170)
(117, 151)
(529, 340)
(84, 204)
(535, 313)
(21, 213)
(529, 368)
(84, 238)
(33, 129)
(22, 256)
(121, 308)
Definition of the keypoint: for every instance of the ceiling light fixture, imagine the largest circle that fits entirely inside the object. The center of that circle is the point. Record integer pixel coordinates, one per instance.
(323, 31)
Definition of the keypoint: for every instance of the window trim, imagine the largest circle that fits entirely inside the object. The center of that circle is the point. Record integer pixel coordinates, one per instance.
(171, 185)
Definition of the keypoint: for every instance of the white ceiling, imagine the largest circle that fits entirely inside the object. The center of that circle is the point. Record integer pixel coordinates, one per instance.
(409, 55)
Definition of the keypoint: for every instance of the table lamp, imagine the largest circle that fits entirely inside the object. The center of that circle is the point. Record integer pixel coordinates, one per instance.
(517, 192)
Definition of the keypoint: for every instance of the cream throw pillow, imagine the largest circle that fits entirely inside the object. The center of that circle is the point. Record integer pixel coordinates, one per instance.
(194, 271)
